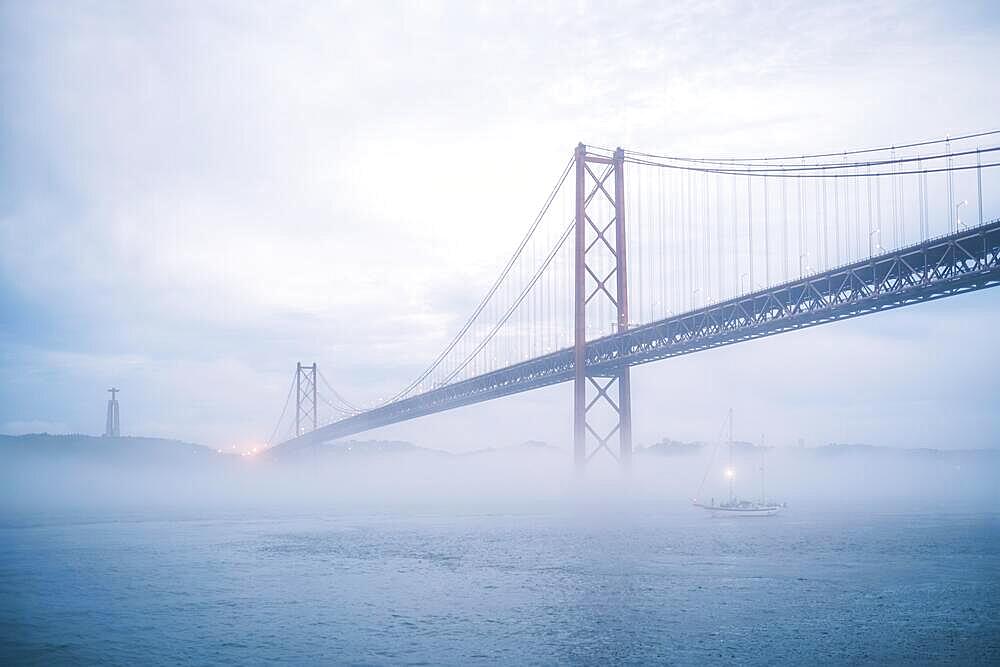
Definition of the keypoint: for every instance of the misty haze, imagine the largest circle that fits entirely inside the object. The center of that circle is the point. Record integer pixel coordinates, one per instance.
(438, 333)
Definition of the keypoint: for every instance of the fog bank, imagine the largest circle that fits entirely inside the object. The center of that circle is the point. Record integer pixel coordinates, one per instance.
(81, 473)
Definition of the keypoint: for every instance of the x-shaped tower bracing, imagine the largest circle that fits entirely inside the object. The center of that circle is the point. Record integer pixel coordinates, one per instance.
(600, 285)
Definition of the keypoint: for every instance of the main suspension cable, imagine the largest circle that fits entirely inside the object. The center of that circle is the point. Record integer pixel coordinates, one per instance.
(804, 166)
(346, 406)
(493, 289)
(517, 302)
(764, 173)
(284, 409)
(813, 155)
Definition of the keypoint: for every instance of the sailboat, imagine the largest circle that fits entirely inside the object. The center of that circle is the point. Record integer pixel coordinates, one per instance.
(736, 506)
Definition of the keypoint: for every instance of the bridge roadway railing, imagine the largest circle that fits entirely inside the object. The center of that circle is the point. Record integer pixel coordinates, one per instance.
(964, 261)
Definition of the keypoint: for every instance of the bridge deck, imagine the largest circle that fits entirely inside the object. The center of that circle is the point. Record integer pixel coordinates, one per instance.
(961, 262)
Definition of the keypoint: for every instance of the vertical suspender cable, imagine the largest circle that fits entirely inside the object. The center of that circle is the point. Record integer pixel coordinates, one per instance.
(836, 219)
(706, 249)
(735, 239)
(979, 183)
(951, 189)
(826, 229)
(767, 251)
(784, 230)
(749, 236)
(801, 224)
(718, 237)
(857, 216)
(878, 211)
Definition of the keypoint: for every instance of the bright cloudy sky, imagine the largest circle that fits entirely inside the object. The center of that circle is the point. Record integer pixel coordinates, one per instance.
(196, 195)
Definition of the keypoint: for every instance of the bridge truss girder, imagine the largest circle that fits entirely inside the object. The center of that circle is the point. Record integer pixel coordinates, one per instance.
(961, 262)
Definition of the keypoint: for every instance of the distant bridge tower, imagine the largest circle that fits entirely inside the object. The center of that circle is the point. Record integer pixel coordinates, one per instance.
(111, 428)
(305, 398)
(599, 260)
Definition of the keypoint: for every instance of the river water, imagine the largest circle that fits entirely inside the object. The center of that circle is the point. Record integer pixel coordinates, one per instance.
(559, 586)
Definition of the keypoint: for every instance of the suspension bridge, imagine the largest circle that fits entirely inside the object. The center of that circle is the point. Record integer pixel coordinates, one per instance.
(636, 257)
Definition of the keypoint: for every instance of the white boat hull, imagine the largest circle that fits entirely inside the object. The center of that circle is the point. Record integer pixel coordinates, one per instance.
(760, 510)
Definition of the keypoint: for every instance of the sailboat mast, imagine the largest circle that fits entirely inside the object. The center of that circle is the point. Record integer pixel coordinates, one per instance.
(762, 450)
(732, 470)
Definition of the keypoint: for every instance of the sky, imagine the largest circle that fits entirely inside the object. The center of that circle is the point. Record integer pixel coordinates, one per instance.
(194, 196)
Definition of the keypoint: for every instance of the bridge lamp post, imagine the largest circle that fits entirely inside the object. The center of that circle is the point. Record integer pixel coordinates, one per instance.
(878, 244)
(958, 218)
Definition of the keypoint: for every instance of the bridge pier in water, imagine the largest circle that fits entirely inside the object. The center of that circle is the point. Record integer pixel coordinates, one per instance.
(600, 206)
